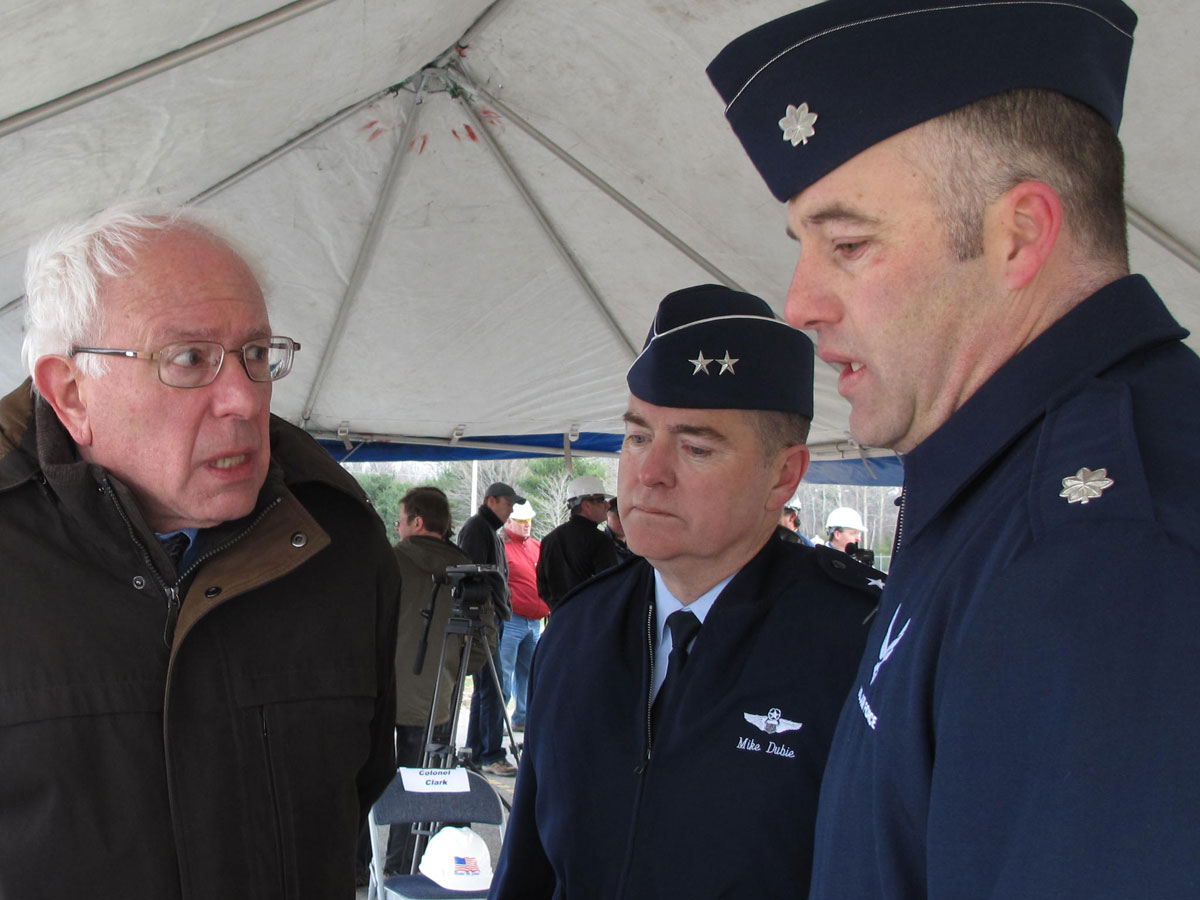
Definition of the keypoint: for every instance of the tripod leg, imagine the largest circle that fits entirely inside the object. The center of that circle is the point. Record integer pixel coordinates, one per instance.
(512, 741)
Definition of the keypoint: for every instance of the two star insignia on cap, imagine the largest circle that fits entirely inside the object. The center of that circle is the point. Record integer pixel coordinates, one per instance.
(702, 364)
(797, 124)
(1085, 485)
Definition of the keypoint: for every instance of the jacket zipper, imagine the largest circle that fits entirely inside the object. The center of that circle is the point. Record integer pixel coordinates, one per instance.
(237, 538)
(171, 592)
(173, 606)
(641, 768)
(273, 790)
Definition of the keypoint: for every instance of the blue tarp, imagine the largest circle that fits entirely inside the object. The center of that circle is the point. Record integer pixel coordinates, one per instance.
(882, 470)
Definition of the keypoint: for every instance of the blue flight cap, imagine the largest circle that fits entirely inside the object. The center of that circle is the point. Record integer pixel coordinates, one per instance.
(715, 348)
(812, 89)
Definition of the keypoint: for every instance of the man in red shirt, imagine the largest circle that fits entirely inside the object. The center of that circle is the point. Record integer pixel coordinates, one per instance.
(522, 631)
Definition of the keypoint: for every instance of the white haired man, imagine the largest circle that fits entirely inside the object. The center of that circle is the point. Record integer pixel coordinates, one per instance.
(199, 614)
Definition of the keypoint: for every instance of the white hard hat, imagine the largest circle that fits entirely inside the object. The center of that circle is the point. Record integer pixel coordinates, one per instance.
(586, 486)
(522, 512)
(458, 860)
(845, 517)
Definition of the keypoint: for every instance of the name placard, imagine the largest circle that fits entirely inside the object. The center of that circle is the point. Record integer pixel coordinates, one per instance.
(435, 781)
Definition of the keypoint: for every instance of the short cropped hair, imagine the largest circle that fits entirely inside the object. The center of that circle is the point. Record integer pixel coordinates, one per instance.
(987, 147)
(430, 504)
(64, 268)
(778, 430)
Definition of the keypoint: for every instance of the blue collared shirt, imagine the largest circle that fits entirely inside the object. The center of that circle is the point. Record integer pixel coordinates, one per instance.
(666, 603)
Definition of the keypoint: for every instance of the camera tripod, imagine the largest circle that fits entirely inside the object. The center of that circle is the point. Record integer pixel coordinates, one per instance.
(466, 621)
(441, 750)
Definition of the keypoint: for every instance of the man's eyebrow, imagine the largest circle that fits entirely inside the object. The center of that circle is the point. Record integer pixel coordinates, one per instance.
(700, 431)
(182, 335)
(839, 213)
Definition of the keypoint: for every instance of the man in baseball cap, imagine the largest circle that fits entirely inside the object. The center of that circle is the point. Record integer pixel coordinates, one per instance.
(693, 688)
(952, 174)
(480, 540)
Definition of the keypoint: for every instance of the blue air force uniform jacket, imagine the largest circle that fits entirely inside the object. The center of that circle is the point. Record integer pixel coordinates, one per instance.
(606, 807)
(1026, 720)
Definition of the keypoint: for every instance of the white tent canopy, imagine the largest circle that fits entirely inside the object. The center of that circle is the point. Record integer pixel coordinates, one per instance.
(467, 212)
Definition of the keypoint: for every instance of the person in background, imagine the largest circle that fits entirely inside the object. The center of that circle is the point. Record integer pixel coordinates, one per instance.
(198, 620)
(615, 531)
(423, 553)
(1022, 722)
(480, 540)
(789, 527)
(522, 630)
(843, 527)
(577, 549)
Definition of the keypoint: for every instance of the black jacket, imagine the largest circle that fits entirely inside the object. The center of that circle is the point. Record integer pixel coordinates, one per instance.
(240, 759)
(716, 801)
(571, 554)
(480, 539)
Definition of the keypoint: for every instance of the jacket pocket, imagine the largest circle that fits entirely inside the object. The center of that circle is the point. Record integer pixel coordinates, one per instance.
(307, 683)
(90, 698)
(313, 728)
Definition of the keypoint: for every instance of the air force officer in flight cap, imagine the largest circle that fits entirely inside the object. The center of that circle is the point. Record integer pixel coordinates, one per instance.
(693, 690)
(1023, 722)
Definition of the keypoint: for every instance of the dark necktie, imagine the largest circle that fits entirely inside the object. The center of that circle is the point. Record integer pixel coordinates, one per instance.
(176, 545)
(684, 625)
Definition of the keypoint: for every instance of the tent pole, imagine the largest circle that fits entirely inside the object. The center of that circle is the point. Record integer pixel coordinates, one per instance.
(279, 151)
(530, 449)
(366, 251)
(156, 66)
(632, 208)
(1163, 238)
(542, 219)
(480, 23)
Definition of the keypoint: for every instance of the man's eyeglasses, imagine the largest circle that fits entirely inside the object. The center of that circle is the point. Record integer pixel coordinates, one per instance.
(599, 498)
(193, 364)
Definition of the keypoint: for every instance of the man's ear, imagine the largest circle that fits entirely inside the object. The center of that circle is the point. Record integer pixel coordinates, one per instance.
(1025, 223)
(57, 380)
(791, 464)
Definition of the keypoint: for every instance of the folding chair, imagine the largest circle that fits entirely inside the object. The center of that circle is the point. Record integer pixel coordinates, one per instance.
(398, 807)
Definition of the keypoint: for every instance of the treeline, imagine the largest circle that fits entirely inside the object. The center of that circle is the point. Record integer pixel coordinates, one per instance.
(543, 481)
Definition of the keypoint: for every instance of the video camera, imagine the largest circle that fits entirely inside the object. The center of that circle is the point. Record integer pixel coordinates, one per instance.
(470, 586)
(866, 557)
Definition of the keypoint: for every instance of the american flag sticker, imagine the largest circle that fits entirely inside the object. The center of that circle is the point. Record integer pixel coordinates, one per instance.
(466, 865)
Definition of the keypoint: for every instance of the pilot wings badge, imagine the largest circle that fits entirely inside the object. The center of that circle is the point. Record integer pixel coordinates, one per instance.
(773, 722)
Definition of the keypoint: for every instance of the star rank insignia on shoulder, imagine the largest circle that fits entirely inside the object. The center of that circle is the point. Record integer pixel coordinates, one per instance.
(1085, 485)
(846, 570)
